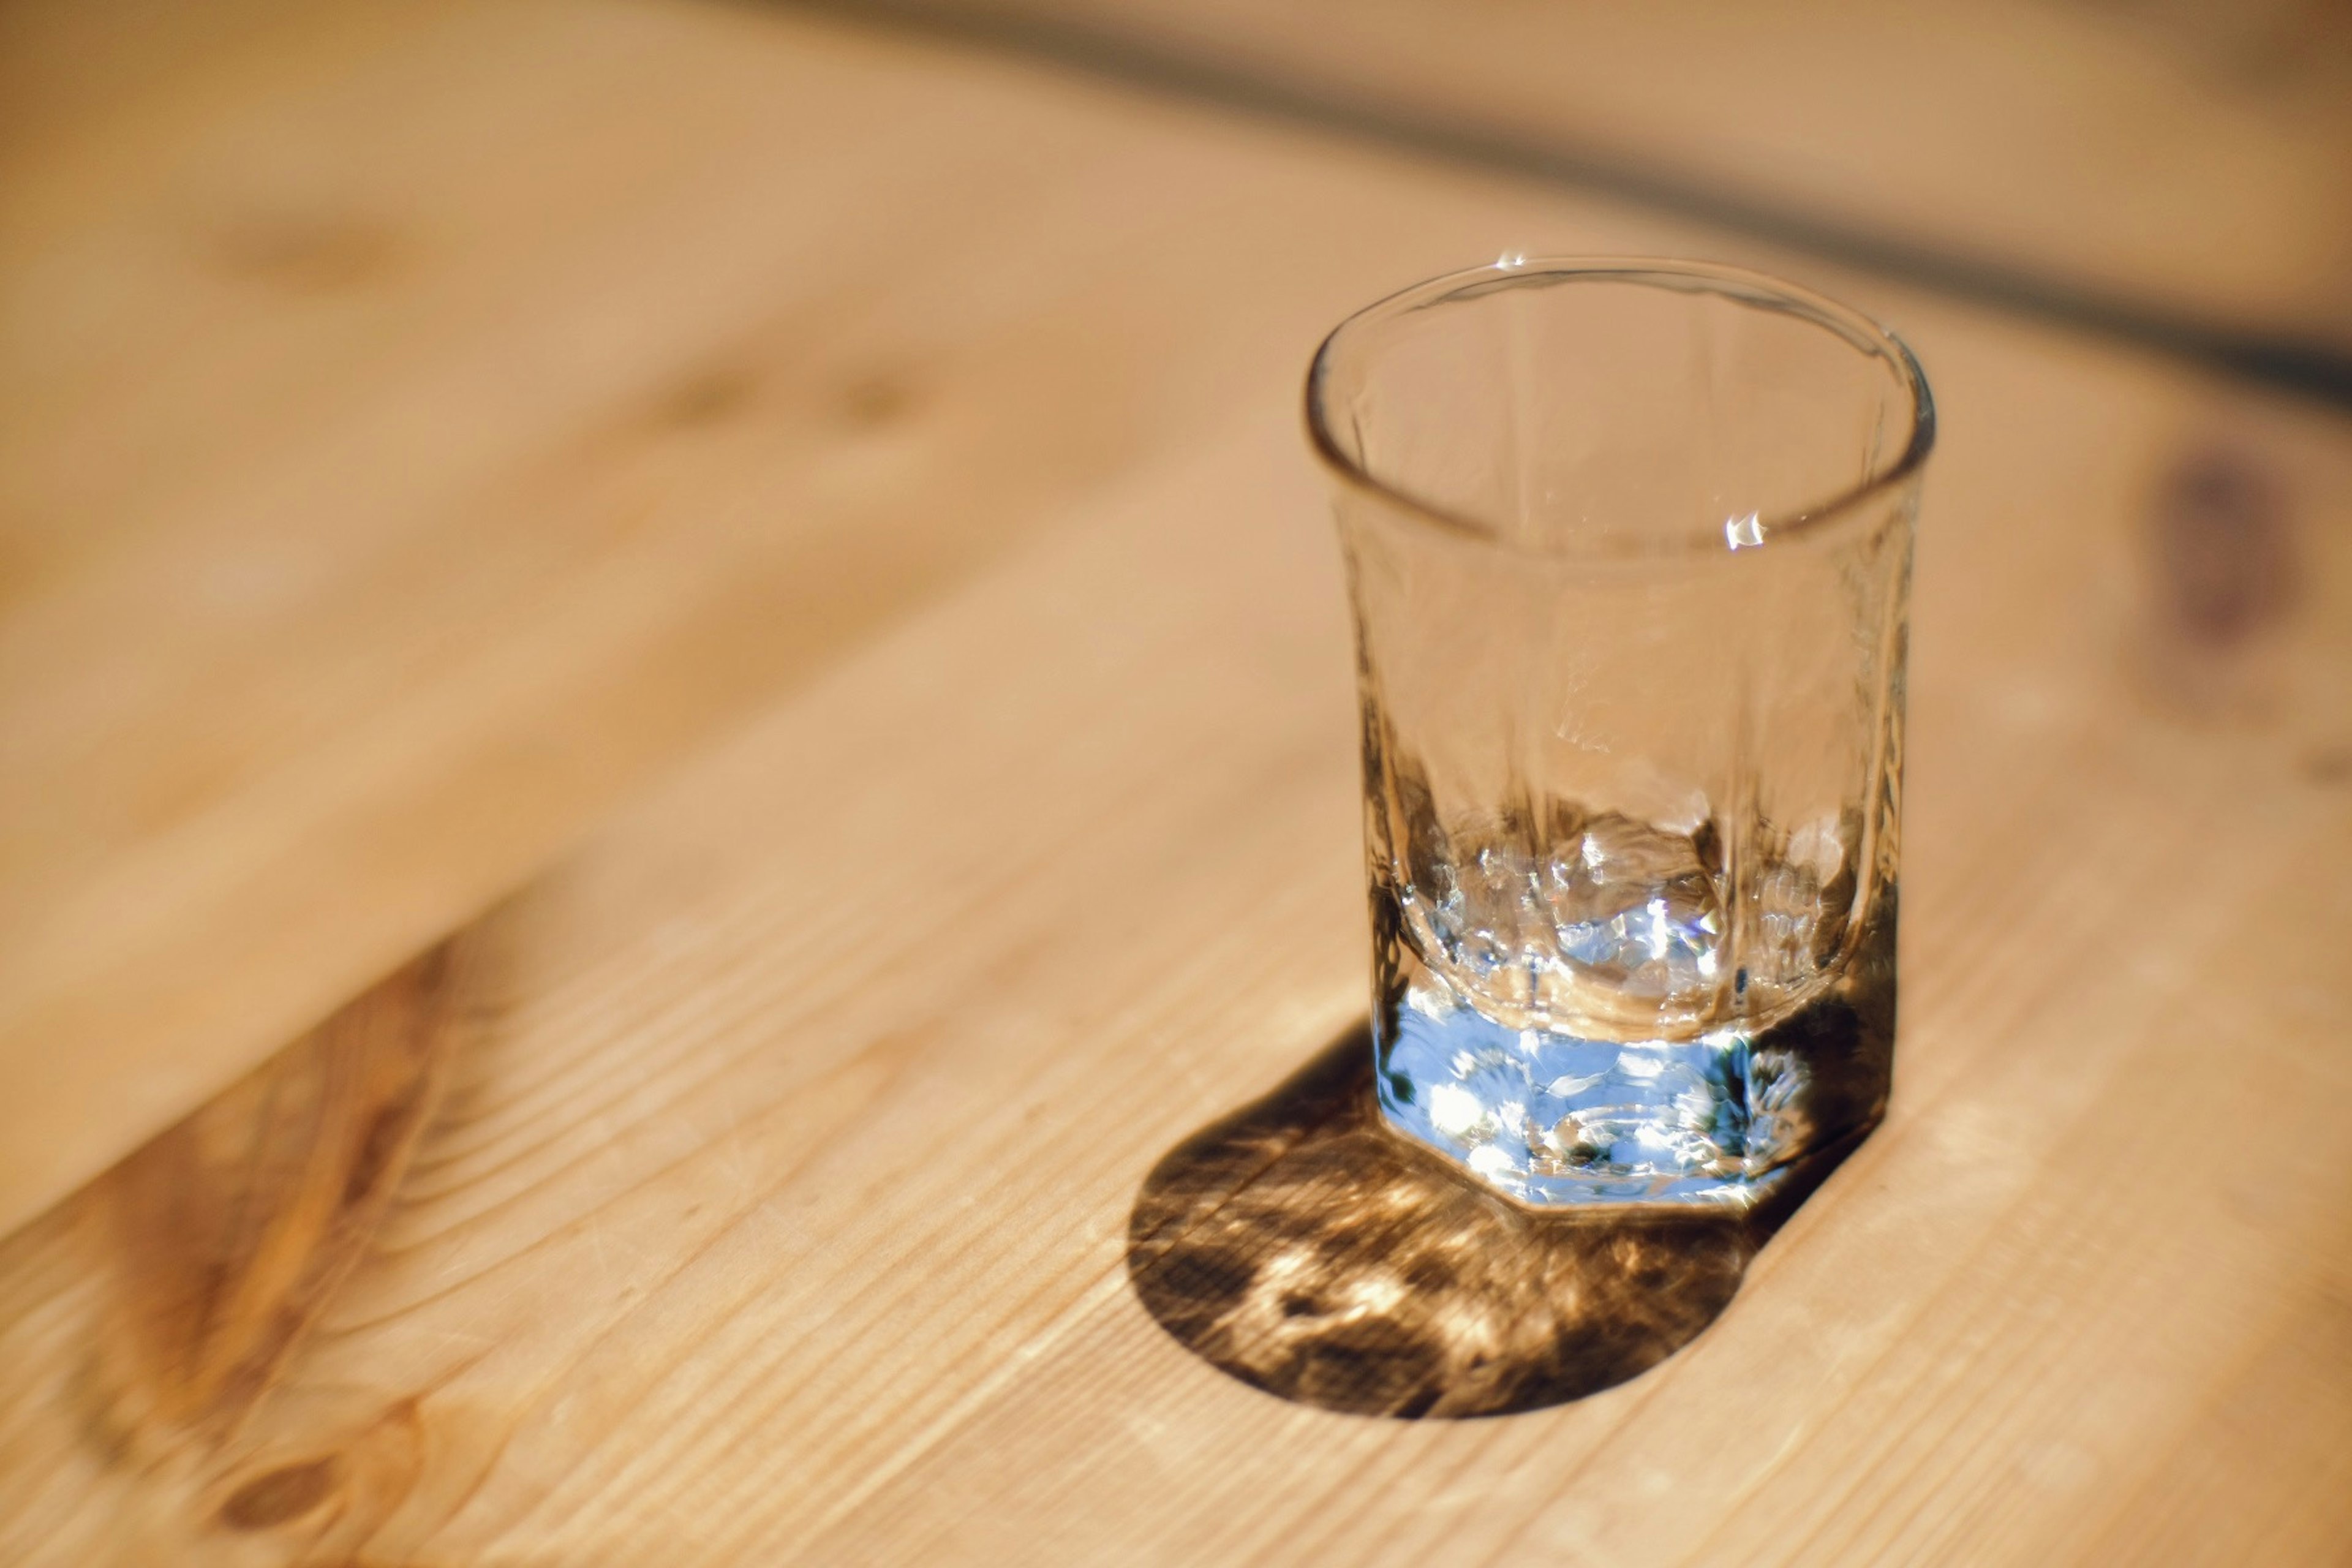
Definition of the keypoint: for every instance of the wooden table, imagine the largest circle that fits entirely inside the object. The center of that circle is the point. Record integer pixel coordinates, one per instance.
(2183, 168)
(735, 603)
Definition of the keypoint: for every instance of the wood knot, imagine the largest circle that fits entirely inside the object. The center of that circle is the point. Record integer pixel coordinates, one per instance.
(2328, 764)
(877, 400)
(306, 253)
(707, 399)
(378, 1148)
(279, 1496)
(2222, 549)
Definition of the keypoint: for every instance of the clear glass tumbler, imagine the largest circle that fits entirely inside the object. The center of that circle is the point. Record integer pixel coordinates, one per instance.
(1629, 547)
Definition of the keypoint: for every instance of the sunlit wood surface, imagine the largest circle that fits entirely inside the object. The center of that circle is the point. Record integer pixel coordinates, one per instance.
(735, 603)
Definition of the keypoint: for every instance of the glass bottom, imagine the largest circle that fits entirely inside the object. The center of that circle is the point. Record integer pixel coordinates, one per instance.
(1552, 1120)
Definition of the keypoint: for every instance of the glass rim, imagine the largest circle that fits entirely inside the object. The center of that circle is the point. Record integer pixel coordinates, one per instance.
(1739, 283)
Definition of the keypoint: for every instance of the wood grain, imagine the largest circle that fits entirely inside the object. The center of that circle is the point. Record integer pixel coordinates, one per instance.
(757, 1183)
(420, 425)
(2191, 162)
(776, 1207)
(193, 1271)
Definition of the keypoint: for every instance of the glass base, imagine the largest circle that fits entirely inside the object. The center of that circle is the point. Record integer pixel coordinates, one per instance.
(1549, 1119)
(1555, 1121)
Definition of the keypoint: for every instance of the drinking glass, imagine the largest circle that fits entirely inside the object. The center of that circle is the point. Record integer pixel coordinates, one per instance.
(1629, 551)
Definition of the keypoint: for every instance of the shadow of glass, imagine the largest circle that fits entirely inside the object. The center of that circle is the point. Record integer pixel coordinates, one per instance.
(1305, 1248)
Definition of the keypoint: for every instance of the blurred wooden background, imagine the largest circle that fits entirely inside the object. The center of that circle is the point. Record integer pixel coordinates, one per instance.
(2176, 166)
(772, 546)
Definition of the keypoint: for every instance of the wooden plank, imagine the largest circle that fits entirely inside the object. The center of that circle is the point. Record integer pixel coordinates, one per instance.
(2191, 162)
(757, 1186)
(410, 443)
(776, 1207)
